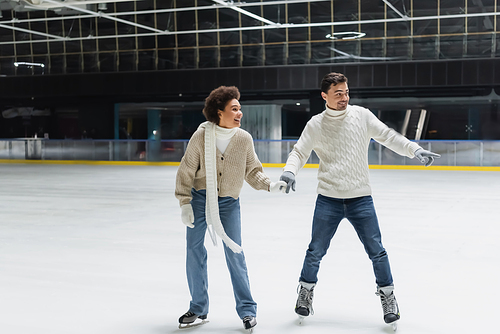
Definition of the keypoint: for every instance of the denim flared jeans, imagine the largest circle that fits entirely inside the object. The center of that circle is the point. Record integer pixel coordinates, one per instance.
(196, 256)
(361, 214)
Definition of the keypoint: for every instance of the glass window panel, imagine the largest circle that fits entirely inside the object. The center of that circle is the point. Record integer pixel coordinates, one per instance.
(126, 61)
(275, 54)
(146, 42)
(424, 8)
(372, 49)
(186, 58)
(479, 45)
(38, 48)
(73, 47)
(229, 38)
(274, 35)
(252, 55)
(451, 47)
(107, 44)
(452, 6)
(73, 64)
(251, 36)
(274, 13)
(452, 26)
(480, 24)
(165, 41)
(7, 50)
(345, 11)
(297, 54)
(147, 60)
(229, 56)
(228, 18)
(89, 46)
(56, 64)
(298, 34)
(166, 59)
(398, 29)
(372, 10)
(351, 48)
(186, 40)
(321, 11)
(208, 58)
(126, 43)
(397, 47)
(425, 27)
(207, 39)
(424, 48)
(185, 20)
(107, 61)
(373, 30)
(90, 62)
(7, 66)
(23, 49)
(298, 13)
(321, 53)
(319, 33)
(480, 6)
(164, 21)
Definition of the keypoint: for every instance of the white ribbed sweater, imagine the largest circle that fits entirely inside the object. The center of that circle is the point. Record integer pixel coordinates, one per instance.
(341, 140)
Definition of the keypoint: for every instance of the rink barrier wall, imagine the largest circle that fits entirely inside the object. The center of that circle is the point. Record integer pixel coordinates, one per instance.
(267, 165)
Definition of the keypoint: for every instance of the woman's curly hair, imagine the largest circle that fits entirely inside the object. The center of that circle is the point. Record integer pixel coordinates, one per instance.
(217, 100)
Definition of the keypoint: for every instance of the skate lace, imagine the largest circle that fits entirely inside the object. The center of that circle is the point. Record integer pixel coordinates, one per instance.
(188, 314)
(305, 298)
(388, 303)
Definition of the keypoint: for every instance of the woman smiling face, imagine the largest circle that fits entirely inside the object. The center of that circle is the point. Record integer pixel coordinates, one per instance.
(231, 116)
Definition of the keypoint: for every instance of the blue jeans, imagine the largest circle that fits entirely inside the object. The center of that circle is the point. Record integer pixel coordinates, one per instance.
(196, 259)
(361, 214)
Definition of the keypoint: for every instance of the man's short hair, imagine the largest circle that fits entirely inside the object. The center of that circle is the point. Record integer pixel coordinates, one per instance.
(332, 78)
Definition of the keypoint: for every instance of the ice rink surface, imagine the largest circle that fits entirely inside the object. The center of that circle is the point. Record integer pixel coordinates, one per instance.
(100, 250)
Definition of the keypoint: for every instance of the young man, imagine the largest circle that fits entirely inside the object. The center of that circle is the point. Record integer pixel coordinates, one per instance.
(340, 136)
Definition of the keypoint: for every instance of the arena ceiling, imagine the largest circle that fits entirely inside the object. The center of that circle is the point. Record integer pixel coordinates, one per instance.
(44, 11)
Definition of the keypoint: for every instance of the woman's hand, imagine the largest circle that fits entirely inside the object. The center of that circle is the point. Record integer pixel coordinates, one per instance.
(187, 215)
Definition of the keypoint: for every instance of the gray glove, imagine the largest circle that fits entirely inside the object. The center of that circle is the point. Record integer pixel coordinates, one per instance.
(289, 178)
(426, 157)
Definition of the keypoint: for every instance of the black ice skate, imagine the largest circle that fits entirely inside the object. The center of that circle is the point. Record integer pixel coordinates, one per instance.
(389, 305)
(189, 319)
(303, 307)
(249, 322)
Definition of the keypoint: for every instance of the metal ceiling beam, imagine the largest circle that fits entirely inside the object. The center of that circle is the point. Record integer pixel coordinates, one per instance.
(103, 15)
(57, 38)
(244, 12)
(394, 9)
(40, 3)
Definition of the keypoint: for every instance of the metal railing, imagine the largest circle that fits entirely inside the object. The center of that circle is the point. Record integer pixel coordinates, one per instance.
(453, 153)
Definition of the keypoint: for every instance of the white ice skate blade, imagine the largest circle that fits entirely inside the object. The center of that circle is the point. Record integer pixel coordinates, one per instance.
(301, 319)
(193, 324)
(394, 325)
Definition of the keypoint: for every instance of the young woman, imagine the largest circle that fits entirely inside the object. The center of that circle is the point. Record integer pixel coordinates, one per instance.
(218, 158)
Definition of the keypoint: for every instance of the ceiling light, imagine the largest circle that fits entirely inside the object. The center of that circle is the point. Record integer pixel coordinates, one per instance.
(347, 35)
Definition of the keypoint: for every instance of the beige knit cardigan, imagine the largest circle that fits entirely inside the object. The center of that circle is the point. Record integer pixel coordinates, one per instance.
(239, 162)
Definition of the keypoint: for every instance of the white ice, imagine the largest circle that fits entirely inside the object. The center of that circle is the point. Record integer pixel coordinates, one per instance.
(100, 250)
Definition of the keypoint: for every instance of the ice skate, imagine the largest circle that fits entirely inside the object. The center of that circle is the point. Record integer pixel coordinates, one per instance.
(303, 307)
(249, 322)
(189, 319)
(389, 305)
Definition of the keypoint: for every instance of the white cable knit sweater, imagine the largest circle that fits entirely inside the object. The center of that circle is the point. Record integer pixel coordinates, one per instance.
(341, 139)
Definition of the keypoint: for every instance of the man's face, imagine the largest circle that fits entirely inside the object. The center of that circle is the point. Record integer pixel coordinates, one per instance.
(337, 96)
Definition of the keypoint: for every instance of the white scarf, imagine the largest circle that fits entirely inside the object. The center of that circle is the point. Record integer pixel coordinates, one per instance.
(213, 131)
